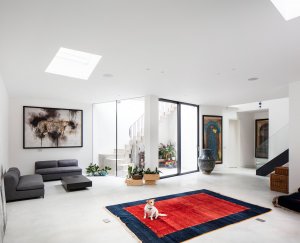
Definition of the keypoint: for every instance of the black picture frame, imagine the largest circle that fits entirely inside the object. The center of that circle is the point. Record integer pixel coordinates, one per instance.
(54, 109)
(220, 120)
(261, 152)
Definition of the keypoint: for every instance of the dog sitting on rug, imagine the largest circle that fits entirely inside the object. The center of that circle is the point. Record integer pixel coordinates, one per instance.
(151, 211)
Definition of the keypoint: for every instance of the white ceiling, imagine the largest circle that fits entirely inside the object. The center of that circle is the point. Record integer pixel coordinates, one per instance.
(195, 51)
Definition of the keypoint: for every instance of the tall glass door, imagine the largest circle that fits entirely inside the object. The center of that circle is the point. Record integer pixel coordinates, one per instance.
(178, 137)
(118, 135)
(189, 138)
(168, 146)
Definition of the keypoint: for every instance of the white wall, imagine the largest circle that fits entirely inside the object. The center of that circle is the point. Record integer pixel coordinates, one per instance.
(3, 127)
(24, 159)
(247, 138)
(151, 131)
(278, 126)
(294, 135)
(278, 110)
(104, 129)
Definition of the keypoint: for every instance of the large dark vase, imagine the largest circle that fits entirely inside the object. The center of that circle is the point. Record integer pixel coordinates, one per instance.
(206, 161)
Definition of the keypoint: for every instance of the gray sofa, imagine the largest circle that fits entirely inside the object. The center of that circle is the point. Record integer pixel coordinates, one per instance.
(19, 187)
(55, 169)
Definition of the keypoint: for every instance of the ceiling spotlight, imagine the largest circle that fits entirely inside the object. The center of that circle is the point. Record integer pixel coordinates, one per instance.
(107, 75)
(252, 79)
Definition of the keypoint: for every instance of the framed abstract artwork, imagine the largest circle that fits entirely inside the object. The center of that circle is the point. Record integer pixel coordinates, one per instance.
(45, 127)
(262, 138)
(212, 136)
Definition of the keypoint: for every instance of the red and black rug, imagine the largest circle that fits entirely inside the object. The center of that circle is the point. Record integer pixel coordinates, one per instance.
(190, 214)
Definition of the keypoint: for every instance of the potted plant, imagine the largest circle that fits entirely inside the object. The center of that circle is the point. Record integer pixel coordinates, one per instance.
(94, 170)
(161, 151)
(137, 173)
(104, 171)
(151, 175)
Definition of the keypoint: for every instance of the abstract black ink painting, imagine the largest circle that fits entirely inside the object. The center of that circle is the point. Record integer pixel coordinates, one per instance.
(51, 127)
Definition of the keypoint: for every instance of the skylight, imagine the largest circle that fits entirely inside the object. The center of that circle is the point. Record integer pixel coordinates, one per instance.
(289, 9)
(72, 63)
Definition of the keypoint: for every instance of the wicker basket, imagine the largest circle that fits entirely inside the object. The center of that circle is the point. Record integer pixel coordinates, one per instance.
(279, 183)
(282, 171)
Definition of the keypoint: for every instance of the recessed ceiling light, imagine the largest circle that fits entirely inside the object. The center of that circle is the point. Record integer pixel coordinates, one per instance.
(252, 79)
(107, 75)
(72, 63)
(289, 9)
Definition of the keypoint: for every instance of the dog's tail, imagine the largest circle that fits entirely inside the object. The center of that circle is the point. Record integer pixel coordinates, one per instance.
(162, 215)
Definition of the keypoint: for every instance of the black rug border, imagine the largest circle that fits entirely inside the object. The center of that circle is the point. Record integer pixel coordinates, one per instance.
(147, 235)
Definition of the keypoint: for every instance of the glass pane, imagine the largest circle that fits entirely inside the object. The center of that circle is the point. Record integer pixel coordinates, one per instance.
(130, 128)
(167, 138)
(189, 138)
(104, 135)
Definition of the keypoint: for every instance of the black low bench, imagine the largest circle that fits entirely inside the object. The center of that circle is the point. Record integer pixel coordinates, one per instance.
(75, 182)
(291, 202)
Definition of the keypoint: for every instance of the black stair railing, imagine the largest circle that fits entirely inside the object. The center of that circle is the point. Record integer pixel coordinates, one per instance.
(269, 167)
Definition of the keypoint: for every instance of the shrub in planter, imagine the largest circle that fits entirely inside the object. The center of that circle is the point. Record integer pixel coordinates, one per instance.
(151, 175)
(94, 170)
(137, 173)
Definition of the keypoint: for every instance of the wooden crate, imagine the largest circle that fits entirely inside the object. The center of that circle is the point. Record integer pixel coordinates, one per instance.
(279, 183)
(131, 182)
(282, 171)
(150, 182)
(151, 177)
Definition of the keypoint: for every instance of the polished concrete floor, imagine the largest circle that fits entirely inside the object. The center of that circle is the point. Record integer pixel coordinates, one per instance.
(77, 217)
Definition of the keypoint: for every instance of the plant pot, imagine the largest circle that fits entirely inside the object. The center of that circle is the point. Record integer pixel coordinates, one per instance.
(103, 173)
(137, 177)
(206, 161)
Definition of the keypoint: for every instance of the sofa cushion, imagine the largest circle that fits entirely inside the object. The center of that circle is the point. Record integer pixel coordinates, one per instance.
(67, 162)
(46, 164)
(30, 182)
(47, 171)
(11, 179)
(16, 170)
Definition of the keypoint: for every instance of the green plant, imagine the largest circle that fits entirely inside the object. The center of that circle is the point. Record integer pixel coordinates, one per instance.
(170, 150)
(161, 150)
(166, 151)
(138, 171)
(94, 169)
(149, 171)
(130, 167)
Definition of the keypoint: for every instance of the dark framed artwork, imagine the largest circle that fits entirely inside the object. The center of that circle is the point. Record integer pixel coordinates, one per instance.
(45, 127)
(262, 138)
(212, 136)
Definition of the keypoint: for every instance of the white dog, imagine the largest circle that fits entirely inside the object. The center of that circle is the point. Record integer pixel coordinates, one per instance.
(151, 210)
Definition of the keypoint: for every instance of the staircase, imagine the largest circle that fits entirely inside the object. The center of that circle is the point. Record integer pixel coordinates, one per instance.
(270, 166)
(166, 109)
(121, 156)
(119, 159)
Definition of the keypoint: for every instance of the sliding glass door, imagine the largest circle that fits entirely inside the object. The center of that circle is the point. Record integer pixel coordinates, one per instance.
(168, 146)
(189, 138)
(118, 135)
(178, 137)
